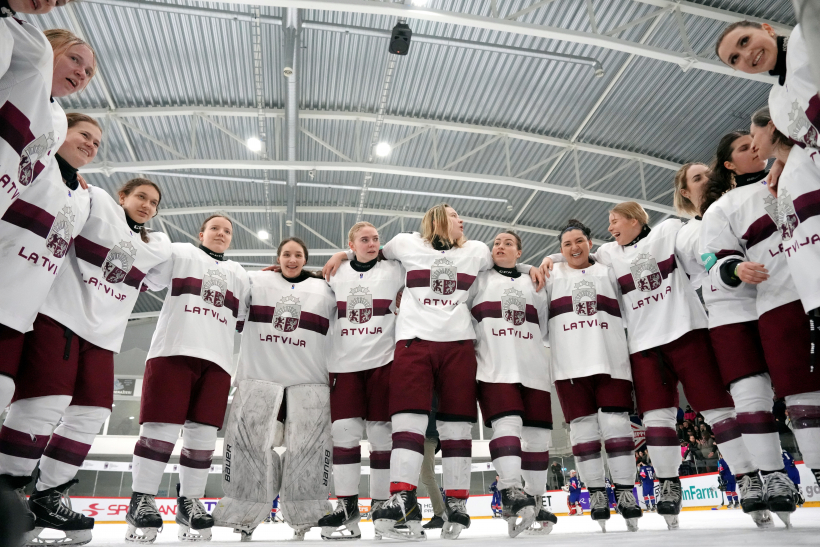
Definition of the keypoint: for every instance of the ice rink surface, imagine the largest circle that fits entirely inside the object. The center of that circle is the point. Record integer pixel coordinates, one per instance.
(723, 527)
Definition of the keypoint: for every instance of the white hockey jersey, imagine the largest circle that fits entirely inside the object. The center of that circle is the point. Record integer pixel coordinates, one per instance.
(741, 225)
(32, 124)
(98, 285)
(586, 330)
(285, 339)
(510, 322)
(205, 301)
(364, 327)
(434, 302)
(35, 235)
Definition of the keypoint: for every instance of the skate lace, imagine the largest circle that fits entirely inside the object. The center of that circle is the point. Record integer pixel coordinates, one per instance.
(625, 498)
(146, 506)
(750, 487)
(598, 499)
(670, 491)
(396, 500)
(516, 493)
(341, 508)
(194, 508)
(62, 501)
(779, 484)
(457, 505)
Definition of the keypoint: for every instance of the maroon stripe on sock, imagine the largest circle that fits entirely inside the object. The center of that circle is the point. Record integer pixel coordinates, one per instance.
(726, 430)
(661, 436)
(461, 448)
(756, 423)
(408, 441)
(153, 449)
(619, 446)
(804, 416)
(22, 445)
(535, 461)
(345, 456)
(587, 451)
(505, 446)
(67, 450)
(380, 460)
(196, 459)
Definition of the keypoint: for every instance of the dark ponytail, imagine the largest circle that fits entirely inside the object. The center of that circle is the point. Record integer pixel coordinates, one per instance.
(721, 178)
(132, 185)
(574, 224)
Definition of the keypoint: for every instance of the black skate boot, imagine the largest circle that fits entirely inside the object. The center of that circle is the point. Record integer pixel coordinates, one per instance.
(401, 509)
(17, 519)
(780, 495)
(193, 519)
(456, 518)
(751, 499)
(669, 501)
(517, 504)
(343, 523)
(627, 506)
(144, 521)
(436, 523)
(544, 520)
(599, 506)
(52, 509)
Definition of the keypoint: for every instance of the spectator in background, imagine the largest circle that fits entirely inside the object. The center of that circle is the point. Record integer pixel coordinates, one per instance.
(681, 432)
(428, 469)
(689, 415)
(555, 477)
(708, 451)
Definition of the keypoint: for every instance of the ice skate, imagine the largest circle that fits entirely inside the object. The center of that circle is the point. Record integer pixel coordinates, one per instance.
(144, 521)
(52, 509)
(599, 507)
(375, 505)
(544, 520)
(401, 509)
(780, 495)
(343, 523)
(300, 531)
(669, 501)
(517, 505)
(752, 502)
(436, 523)
(18, 518)
(456, 518)
(628, 507)
(194, 521)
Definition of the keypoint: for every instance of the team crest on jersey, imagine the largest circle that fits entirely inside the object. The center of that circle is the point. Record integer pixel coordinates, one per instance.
(359, 305)
(584, 298)
(645, 273)
(443, 277)
(781, 210)
(800, 128)
(31, 154)
(286, 316)
(214, 288)
(59, 236)
(514, 307)
(118, 262)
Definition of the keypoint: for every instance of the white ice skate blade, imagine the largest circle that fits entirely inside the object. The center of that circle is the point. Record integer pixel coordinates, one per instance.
(786, 517)
(147, 536)
(602, 524)
(539, 528)
(632, 524)
(763, 519)
(516, 526)
(671, 521)
(299, 532)
(451, 530)
(385, 528)
(343, 533)
(186, 533)
(77, 537)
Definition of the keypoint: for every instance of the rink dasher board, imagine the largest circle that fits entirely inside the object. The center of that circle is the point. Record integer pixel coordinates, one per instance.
(700, 493)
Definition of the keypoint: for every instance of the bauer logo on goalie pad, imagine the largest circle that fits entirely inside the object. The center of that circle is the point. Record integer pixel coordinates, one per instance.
(214, 287)
(645, 273)
(514, 307)
(59, 236)
(286, 316)
(118, 262)
(781, 210)
(359, 305)
(584, 298)
(443, 277)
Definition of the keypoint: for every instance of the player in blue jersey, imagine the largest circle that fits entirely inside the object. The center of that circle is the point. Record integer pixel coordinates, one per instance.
(610, 492)
(574, 499)
(794, 475)
(647, 474)
(727, 480)
(496, 501)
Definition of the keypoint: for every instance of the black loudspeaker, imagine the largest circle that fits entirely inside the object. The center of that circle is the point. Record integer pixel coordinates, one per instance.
(400, 39)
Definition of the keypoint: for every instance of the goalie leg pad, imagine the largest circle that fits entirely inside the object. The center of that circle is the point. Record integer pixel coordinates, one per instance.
(251, 468)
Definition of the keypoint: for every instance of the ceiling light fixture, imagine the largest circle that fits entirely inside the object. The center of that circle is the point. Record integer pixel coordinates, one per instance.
(254, 144)
(383, 149)
(263, 235)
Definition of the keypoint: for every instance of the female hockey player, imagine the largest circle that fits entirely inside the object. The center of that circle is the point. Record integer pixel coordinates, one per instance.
(67, 367)
(594, 386)
(574, 498)
(362, 352)
(747, 236)
(187, 378)
(36, 232)
(434, 353)
(669, 343)
(510, 322)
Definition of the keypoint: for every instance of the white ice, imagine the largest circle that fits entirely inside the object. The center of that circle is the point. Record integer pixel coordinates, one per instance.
(723, 527)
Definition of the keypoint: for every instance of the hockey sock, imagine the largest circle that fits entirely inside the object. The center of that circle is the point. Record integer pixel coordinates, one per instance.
(6, 391)
(378, 434)
(804, 411)
(753, 403)
(151, 454)
(505, 450)
(347, 455)
(616, 431)
(408, 450)
(69, 445)
(662, 441)
(586, 447)
(728, 437)
(456, 454)
(25, 432)
(535, 459)
(198, 443)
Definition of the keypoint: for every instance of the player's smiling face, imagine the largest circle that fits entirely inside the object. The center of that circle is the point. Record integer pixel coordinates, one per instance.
(623, 229)
(365, 244)
(81, 144)
(576, 248)
(505, 251)
(750, 50)
(292, 259)
(141, 204)
(217, 234)
(72, 70)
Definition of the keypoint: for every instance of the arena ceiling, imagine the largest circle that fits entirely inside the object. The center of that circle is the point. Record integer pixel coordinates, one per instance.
(519, 113)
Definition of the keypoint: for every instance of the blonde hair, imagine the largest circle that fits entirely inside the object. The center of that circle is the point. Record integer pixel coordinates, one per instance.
(631, 210)
(61, 40)
(437, 223)
(351, 235)
(684, 205)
